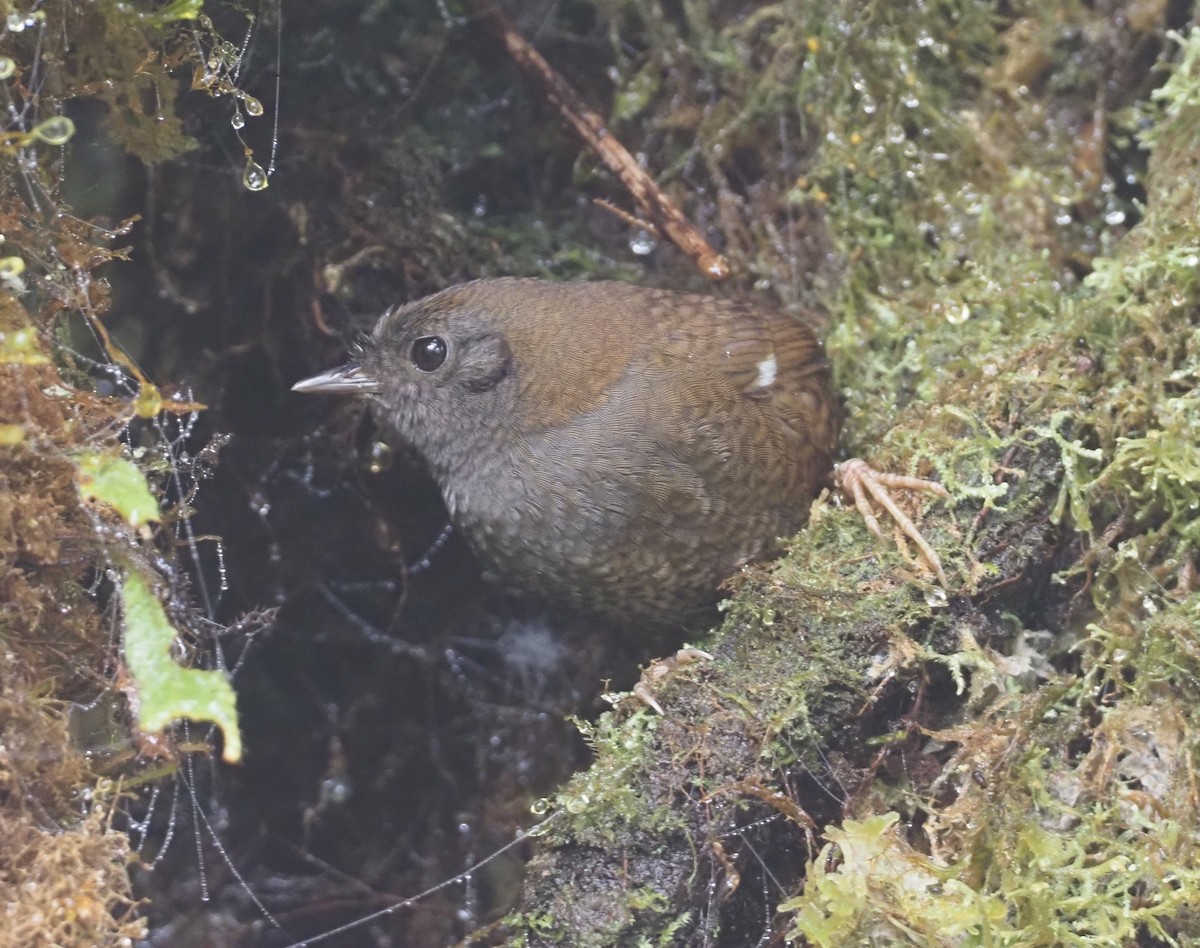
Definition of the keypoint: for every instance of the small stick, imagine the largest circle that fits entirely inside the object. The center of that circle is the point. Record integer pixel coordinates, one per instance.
(626, 216)
(649, 197)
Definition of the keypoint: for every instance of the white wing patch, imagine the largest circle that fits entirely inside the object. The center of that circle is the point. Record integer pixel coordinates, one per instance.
(767, 370)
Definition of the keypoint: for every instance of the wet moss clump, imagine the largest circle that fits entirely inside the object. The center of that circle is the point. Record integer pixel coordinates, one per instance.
(1012, 293)
(82, 435)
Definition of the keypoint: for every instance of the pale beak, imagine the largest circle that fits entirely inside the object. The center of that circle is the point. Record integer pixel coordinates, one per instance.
(348, 379)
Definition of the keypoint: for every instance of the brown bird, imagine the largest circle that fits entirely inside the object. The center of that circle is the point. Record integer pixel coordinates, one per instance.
(616, 449)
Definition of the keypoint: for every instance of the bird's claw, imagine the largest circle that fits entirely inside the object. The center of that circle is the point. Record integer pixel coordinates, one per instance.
(863, 484)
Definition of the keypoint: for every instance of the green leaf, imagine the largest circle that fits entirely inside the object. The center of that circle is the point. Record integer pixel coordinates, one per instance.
(118, 483)
(165, 690)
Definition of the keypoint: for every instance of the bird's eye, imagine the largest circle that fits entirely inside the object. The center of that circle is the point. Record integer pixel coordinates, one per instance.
(429, 352)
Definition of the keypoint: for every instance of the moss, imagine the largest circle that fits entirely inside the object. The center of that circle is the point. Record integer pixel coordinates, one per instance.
(72, 883)
(1075, 847)
(63, 865)
(1012, 761)
(994, 215)
(878, 873)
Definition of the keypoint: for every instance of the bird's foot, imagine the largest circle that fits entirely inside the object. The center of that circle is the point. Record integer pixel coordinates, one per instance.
(659, 670)
(863, 484)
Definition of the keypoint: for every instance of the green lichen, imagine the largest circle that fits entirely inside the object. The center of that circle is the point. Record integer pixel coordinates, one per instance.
(884, 892)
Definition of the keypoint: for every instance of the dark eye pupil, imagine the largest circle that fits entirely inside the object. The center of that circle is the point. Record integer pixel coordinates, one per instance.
(428, 353)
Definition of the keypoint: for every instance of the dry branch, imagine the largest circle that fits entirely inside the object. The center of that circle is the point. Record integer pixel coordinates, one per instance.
(654, 204)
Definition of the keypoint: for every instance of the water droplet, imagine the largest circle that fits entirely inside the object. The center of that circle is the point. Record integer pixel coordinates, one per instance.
(237, 120)
(895, 133)
(7, 67)
(577, 805)
(1113, 218)
(481, 206)
(254, 108)
(910, 101)
(15, 23)
(54, 131)
(539, 807)
(380, 458)
(254, 177)
(642, 243)
(869, 104)
(956, 317)
(335, 791)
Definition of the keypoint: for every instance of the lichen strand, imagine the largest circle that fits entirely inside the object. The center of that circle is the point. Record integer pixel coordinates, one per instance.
(1015, 766)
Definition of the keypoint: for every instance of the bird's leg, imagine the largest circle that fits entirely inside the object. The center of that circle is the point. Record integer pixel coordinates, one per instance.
(863, 484)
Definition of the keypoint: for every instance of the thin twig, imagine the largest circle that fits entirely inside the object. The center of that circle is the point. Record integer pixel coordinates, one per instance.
(626, 216)
(666, 217)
